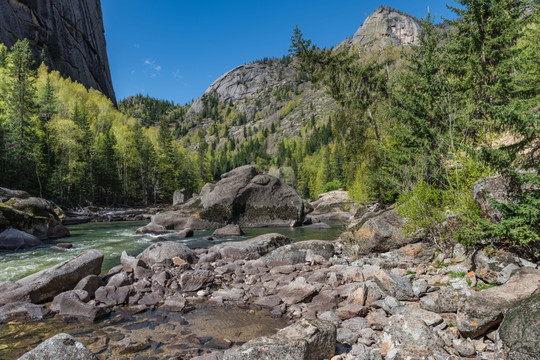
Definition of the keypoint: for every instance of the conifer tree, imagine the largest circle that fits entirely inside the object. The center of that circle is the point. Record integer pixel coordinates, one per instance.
(20, 112)
(420, 105)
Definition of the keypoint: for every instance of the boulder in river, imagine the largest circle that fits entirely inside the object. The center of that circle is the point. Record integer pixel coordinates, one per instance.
(70, 305)
(242, 196)
(151, 228)
(229, 230)
(60, 347)
(22, 310)
(13, 239)
(48, 283)
(33, 215)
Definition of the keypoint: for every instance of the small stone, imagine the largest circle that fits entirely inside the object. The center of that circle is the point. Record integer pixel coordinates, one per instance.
(64, 245)
(129, 346)
(464, 347)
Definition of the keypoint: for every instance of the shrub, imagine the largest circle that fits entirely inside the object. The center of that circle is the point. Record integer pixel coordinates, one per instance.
(332, 186)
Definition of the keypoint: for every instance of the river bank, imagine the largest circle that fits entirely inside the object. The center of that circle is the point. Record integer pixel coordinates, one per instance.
(412, 301)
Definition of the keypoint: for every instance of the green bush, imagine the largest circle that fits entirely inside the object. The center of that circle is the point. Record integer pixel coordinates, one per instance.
(450, 212)
(332, 186)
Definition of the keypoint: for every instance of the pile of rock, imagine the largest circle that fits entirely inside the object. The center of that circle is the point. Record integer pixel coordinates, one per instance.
(410, 301)
(26, 220)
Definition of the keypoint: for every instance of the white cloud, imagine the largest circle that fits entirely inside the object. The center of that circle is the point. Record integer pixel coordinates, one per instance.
(152, 63)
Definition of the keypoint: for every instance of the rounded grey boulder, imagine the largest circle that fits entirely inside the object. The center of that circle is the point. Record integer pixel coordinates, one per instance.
(60, 347)
(162, 251)
(13, 239)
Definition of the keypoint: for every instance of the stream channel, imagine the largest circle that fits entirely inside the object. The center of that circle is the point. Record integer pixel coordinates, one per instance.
(208, 327)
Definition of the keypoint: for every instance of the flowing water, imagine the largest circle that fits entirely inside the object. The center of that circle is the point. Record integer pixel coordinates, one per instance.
(114, 237)
(164, 333)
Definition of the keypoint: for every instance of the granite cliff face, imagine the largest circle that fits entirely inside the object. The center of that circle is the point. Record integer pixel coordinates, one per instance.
(70, 31)
(385, 27)
(245, 81)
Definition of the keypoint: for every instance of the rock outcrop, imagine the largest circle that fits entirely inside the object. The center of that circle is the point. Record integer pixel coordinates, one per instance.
(387, 26)
(380, 233)
(243, 81)
(520, 330)
(70, 32)
(33, 215)
(333, 205)
(243, 197)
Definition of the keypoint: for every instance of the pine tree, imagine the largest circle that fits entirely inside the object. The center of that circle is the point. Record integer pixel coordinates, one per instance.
(420, 135)
(20, 113)
(482, 60)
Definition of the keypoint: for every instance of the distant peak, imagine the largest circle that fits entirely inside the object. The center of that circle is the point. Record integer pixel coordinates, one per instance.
(388, 26)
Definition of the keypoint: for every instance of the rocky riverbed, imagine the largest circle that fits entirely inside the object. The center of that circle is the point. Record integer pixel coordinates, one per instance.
(412, 302)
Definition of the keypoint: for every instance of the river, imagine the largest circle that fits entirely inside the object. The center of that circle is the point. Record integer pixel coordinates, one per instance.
(114, 237)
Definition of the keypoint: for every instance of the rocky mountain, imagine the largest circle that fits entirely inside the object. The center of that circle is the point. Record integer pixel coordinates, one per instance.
(387, 26)
(70, 32)
(272, 94)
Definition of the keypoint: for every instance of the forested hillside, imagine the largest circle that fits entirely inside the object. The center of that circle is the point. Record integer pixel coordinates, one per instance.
(64, 142)
(458, 108)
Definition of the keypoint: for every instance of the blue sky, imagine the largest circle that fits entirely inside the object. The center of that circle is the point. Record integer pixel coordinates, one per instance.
(174, 49)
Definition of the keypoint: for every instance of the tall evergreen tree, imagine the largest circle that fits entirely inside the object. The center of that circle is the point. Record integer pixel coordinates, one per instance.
(421, 105)
(20, 112)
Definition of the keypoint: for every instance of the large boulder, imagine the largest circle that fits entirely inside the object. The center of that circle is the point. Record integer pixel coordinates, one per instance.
(304, 340)
(379, 234)
(299, 252)
(485, 309)
(333, 205)
(520, 330)
(70, 305)
(60, 347)
(22, 310)
(404, 330)
(499, 188)
(33, 215)
(13, 239)
(252, 248)
(228, 231)
(48, 283)
(242, 196)
(167, 250)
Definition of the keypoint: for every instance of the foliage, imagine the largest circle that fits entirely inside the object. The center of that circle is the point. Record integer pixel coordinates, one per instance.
(444, 119)
(332, 186)
(71, 145)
